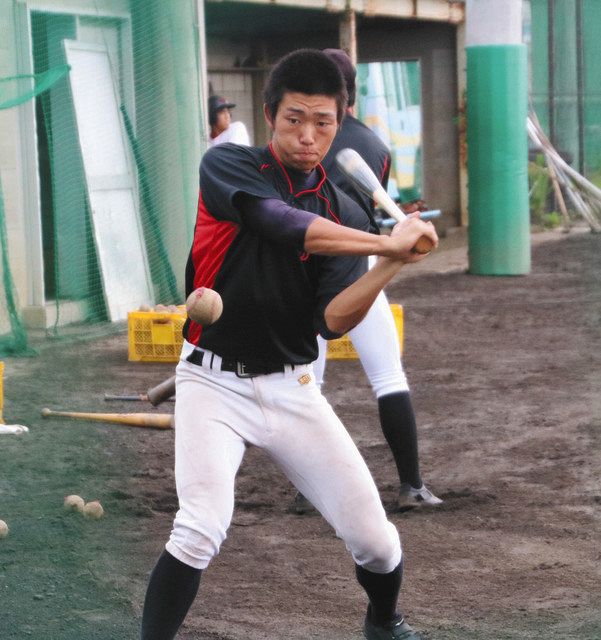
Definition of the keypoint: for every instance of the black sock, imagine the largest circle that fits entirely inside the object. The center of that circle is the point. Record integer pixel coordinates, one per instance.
(383, 592)
(398, 425)
(171, 591)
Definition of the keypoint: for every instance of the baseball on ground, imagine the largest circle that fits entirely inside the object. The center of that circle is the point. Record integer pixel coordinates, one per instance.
(74, 503)
(204, 306)
(3, 529)
(93, 510)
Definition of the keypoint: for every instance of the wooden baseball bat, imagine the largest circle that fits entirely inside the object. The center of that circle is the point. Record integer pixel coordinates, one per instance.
(162, 392)
(130, 397)
(149, 420)
(359, 173)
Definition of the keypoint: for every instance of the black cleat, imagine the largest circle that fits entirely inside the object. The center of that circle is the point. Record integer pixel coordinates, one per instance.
(398, 629)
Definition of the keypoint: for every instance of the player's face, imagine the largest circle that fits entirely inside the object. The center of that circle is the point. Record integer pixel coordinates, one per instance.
(224, 119)
(303, 129)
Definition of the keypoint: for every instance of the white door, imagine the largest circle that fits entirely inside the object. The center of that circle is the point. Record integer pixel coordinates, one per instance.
(110, 180)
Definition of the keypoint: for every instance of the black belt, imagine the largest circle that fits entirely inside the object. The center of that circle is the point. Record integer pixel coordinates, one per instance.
(241, 369)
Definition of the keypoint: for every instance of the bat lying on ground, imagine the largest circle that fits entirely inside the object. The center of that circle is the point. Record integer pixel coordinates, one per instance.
(155, 395)
(148, 420)
(356, 169)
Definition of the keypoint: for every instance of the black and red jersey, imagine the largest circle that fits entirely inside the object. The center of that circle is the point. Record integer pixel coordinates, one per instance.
(274, 294)
(355, 135)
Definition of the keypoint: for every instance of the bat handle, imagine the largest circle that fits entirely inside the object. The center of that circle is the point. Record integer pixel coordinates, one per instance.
(382, 198)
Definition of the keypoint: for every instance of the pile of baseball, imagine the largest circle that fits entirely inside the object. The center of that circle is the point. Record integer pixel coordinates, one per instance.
(92, 510)
(163, 308)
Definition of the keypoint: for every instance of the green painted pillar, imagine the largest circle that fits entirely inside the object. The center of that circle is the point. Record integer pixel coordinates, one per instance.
(497, 74)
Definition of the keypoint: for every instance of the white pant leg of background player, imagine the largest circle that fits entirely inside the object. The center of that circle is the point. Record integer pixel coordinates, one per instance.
(376, 341)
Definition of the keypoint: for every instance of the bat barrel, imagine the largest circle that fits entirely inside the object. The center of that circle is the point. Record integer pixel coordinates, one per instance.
(151, 420)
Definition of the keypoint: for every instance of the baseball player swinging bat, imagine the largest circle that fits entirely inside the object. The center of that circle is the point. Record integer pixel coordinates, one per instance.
(155, 395)
(148, 420)
(357, 170)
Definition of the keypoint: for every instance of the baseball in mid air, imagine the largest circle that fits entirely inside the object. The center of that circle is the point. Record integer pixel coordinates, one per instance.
(204, 306)
(3, 529)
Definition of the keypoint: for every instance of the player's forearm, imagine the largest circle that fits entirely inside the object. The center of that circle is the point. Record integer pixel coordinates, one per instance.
(328, 238)
(351, 305)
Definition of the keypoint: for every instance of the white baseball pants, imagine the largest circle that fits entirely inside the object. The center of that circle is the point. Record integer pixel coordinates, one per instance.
(376, 342)
(217, 414)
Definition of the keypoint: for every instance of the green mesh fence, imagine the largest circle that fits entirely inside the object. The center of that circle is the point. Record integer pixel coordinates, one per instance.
(565, 83)
(117, 147)
(14, 342)
(14, 91)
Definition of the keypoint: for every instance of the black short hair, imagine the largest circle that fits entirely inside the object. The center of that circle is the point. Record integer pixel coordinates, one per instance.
(307, 71)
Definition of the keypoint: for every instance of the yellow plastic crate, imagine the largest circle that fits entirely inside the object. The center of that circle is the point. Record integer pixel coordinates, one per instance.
(154, 336)
(342, 348)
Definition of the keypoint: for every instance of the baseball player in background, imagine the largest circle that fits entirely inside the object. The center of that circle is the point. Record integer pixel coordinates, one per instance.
(375, 338)
(287, 251)
(222, 127)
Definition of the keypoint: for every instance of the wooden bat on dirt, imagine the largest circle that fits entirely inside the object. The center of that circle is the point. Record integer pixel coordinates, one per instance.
(359, 173)
(148, 420)
(155, 395)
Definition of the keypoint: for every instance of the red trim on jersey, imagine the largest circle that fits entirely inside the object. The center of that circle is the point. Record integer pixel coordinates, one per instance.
(318, 186)
(290, 186)
(384, 168)
(336, 218)
(212, 239)
(275, 155)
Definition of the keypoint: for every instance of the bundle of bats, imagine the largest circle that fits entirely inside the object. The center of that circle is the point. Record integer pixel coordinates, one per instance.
(362, 176)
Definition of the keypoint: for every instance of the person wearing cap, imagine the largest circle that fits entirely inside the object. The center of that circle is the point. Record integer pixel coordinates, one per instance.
(375, 338)
(410, 200)
(222, 127)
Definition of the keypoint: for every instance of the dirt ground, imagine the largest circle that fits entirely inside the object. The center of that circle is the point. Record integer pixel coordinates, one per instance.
(505, 374)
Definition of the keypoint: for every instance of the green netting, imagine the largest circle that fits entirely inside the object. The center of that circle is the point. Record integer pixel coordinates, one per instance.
(16, 341)
(565, 84)
(16, 90)
(116, 149)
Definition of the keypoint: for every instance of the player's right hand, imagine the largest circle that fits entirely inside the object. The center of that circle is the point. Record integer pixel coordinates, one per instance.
(404, 237)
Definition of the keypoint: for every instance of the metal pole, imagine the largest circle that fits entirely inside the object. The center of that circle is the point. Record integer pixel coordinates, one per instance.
(203, 83)
(348, 34)
(580, 85)
(497, 143)
(551, 68)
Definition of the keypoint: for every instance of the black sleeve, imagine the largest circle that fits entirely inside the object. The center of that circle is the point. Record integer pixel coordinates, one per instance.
(226, 171)
(274, 219)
